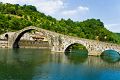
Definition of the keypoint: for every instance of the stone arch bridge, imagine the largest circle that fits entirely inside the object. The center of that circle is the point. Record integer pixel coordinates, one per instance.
(59, 42)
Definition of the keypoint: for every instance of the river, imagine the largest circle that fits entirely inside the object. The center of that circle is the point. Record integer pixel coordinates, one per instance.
(42, 64)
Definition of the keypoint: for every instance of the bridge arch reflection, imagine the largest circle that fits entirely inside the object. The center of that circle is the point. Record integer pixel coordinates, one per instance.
(110, 56)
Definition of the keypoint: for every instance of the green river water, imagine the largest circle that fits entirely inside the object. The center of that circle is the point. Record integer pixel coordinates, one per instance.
(42, 64)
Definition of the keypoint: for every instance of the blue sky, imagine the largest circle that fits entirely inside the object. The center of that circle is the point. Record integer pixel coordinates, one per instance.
(108, 11)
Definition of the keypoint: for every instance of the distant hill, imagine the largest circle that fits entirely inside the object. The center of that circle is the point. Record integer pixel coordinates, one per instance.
(14, 17)
(118, 34)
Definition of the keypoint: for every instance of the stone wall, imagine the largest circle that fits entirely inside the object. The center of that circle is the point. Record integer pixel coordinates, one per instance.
(3, 44)
(33, 44)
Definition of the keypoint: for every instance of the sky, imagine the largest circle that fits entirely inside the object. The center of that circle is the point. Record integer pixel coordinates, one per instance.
(108, 11)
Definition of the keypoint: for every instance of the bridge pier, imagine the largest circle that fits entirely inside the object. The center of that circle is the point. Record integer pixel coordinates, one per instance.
(94, 53)
(57, 49)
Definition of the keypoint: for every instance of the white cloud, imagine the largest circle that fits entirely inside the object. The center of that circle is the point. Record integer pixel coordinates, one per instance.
(83, 8)
(9, 1)
(47, 6)
(113, 27)
(50, 6)
(78, 10)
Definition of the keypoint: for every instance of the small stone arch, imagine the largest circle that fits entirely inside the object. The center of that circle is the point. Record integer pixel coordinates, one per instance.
(68, 46)
(111, 50)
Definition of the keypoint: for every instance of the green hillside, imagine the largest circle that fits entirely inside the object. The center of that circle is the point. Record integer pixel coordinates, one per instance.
(14, 17)
(118, 34)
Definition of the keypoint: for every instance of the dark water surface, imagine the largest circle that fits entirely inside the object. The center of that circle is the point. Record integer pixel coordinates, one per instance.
(41, 64)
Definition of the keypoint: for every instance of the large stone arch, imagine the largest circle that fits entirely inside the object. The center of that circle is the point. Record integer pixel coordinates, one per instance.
(15, 38)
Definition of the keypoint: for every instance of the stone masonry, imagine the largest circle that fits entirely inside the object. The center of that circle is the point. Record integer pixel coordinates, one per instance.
(59, 42)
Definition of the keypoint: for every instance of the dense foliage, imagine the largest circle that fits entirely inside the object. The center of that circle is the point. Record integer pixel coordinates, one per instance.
(15, 17)
(118, 34)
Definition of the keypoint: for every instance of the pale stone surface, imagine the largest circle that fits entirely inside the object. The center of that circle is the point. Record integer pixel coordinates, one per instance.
(59, 42)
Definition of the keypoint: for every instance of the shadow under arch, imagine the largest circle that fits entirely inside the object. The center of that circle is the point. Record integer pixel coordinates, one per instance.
(110, 56)
(15, 43)
(6, 36)
(75, 46)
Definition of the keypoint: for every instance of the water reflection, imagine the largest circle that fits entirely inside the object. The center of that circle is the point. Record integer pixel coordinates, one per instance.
(14, 70)
(41, 64)
(77, 56)
(110, 59)
(19, 64)
(110, 56)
